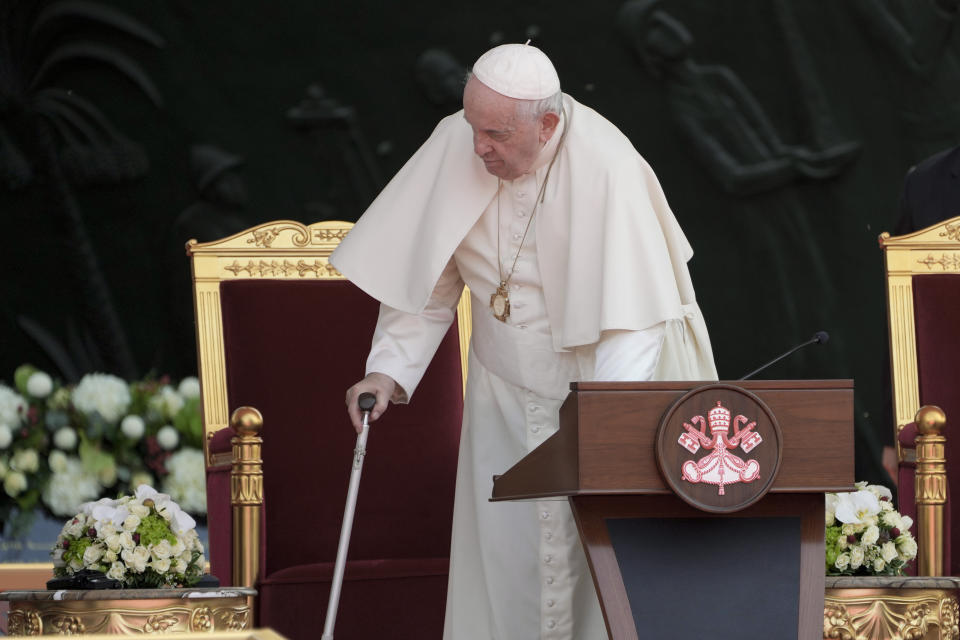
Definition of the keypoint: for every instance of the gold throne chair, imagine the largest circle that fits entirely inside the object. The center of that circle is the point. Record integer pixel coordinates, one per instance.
(923, 310)
(282, 334)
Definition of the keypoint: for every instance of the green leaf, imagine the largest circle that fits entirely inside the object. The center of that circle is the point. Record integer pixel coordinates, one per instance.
(94, 460)
(20, 377)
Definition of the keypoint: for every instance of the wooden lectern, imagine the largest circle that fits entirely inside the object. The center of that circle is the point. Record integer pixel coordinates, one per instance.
(689, 541)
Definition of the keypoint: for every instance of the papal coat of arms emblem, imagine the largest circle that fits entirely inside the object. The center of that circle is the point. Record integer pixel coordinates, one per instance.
(720, 467)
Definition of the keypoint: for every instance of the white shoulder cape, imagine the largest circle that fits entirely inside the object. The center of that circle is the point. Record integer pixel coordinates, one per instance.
(611, 253)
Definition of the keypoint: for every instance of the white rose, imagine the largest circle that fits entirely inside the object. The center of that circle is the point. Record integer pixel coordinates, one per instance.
(107, 529)
(133, 427)
(880, 491)
(180, 567)
(113, 543)
(131, 523)
(139, 510)
(871, 535)
(907, 546)
(74, 528)
(888, 551)
(161, 550)
(161, 566)
(842, 543)
(178, 548)
(890, 519)
(136, 559)
(76, 565)
(25, 460)
(829, 518)
(110, 556)
(65, 438)
(117, 571)
(906, 522)
(879, 565)
(886, 505)
(92, 554)
(168, 438)
(843, 561)
(39, 385)
(6, 436)
(57, 554)
(189, 387)
(14, 483)
(57, 461)
(847, 529)
(126, 540)
(856, 556)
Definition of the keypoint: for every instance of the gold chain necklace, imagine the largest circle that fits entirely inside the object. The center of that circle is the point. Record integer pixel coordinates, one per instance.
(500, 299)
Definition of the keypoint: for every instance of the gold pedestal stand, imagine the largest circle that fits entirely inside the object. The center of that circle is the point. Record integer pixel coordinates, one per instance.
(895, 608)
(128, 611)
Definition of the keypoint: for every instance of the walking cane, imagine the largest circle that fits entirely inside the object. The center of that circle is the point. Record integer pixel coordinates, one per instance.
(366, 402)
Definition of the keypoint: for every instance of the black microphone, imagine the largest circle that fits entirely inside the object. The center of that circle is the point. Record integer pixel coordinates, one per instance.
(820, 337)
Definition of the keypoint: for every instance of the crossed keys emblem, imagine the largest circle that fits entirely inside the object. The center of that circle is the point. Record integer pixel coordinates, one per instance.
(720, 467)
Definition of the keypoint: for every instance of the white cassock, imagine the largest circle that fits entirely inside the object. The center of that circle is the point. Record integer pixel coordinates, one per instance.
(517, 569)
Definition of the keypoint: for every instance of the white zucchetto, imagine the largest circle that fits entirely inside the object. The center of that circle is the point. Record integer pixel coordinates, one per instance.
(517, 71)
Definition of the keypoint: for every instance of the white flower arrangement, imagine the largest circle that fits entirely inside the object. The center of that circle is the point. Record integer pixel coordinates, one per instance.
(110, 436)
(144, 541)
(102, 393)
(186, 482)
(70, 484)
(865, 535)
(13, 407)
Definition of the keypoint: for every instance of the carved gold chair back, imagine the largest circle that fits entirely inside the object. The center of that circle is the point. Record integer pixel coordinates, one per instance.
(280, 250)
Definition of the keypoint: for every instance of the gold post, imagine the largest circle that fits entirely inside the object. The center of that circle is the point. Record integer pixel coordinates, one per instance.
(931, 489)
(246, 495)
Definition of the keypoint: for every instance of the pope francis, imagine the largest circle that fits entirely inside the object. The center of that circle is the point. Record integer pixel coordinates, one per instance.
(578, 271)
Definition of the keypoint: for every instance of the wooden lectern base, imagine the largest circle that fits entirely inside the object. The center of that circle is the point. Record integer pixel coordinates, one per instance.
(665, 569)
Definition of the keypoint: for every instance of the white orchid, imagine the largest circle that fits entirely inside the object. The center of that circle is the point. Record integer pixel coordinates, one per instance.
(857, 507)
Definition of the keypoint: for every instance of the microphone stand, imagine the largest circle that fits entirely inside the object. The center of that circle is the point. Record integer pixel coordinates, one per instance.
(820, 337)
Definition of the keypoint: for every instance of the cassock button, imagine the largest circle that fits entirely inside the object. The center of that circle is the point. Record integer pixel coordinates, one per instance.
(550, 580)
(548, 536)
(521, 326)
(517, 236)
(535, 428)
(544, 515)
(550, 603)
(548, 558)
(551, 623)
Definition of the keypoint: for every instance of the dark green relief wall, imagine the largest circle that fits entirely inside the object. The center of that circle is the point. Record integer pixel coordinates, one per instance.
(770, 267)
